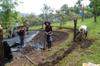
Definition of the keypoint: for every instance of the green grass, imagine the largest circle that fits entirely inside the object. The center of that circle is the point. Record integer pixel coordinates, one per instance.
(91, 54)
(79, 56)
(35, 27)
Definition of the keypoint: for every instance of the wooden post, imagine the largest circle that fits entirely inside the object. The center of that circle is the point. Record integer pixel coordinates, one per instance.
(1, 44)
(75, 28)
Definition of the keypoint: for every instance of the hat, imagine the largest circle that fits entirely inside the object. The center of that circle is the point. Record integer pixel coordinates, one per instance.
(47, 22)
(21, 25)
(1, 27)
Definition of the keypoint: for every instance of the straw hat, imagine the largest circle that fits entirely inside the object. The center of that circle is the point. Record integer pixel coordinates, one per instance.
(21, 25)
(1, 27)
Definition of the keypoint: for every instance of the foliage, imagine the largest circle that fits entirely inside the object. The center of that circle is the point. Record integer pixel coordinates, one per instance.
(64, 9)
(95, 5)
(62, 14)
(7, 12)
(47, 12)
(90, 54)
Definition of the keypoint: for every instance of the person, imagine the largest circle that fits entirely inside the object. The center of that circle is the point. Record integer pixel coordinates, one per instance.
(1, 46)
(81, 33)
(48, 32)
(1, 33)
(83, 29)
(21, 33)
(7, 52)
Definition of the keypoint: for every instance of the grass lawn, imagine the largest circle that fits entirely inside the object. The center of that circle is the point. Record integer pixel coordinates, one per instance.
(79, 56)
(91, 54)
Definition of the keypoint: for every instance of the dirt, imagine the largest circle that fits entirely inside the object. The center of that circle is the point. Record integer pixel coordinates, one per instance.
(38, 57)
(56, 58)
(35, 55)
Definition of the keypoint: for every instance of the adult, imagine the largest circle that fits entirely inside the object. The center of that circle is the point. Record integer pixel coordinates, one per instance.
(83, 29)
(48, 32)
(82, 32)
(1, 46)
(21, 33)
(1, 33)
(7, 52)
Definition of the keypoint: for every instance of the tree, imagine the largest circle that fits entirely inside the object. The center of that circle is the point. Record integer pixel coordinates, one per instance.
(46, 9)
(76, 9)
(47, 13)
(7, 7)
(81, 9)
(88, 12)
(95, 5)
(61, 15)
(34, 20)
(64, 9)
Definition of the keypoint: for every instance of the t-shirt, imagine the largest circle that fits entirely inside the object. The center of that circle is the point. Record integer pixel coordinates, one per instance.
(48, 28)
(83, 27)
(21, 32)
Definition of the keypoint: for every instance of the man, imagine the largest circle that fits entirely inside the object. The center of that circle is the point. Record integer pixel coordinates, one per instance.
(83, 29)
(21, 33)
(7, 52)
(48, 32)
(1, 33)
(82, 33)
(1, 47)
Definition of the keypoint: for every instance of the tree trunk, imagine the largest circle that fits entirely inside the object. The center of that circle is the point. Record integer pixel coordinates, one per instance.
(75, 28)
(82, 18)
(95, 18)
(83, 15)
(95, 12)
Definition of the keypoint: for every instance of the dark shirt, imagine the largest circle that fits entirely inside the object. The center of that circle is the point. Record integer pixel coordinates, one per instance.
(48, 28)
(21, 32)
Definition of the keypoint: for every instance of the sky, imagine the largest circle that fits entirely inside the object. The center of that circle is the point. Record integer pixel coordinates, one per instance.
(35, 6)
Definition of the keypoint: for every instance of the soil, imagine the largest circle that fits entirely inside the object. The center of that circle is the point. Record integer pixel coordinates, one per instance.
(35, 55)
(56, 58)
(38, 57)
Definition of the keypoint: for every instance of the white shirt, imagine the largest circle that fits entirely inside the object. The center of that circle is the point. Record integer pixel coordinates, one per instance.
(84, 27)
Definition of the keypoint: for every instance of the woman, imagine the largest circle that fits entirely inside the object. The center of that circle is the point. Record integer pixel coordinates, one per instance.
(48, 32)
(21, 33)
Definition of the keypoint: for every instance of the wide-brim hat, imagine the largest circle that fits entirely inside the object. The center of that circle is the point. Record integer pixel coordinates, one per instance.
(21, 25)
(47, 22)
